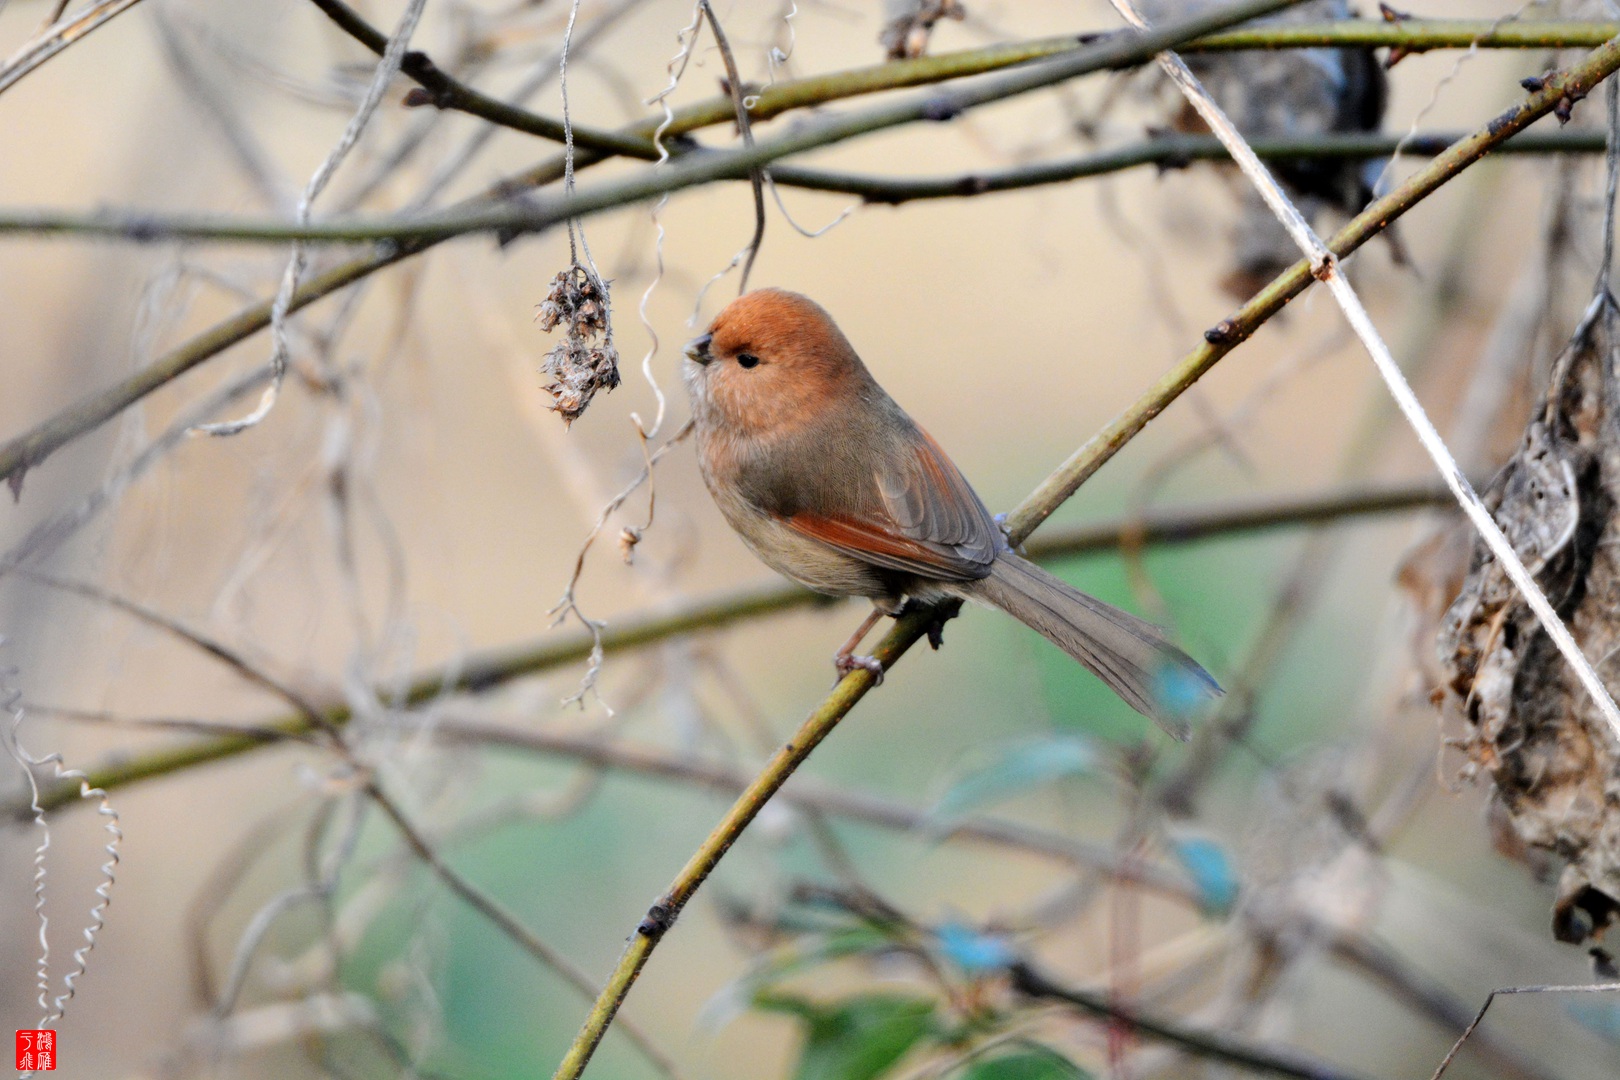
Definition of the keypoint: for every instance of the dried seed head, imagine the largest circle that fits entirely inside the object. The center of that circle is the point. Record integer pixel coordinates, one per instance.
(580, 364)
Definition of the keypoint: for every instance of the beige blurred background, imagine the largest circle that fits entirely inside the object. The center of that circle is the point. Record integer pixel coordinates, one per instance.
(1012, 326)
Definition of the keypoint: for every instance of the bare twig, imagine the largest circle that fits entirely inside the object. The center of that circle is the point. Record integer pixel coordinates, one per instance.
(281, 307)
(27, 450)
(1593, 988)
(443, 91)
(745, 129)
(1213, 1045)
(59, 35)
(1166, 151)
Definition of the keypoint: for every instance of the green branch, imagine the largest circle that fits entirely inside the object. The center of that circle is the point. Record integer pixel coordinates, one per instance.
(1413, 35)
(1409, 35)
(496, 667)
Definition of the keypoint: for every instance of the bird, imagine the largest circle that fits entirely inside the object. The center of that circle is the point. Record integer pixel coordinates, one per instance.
(830, 483)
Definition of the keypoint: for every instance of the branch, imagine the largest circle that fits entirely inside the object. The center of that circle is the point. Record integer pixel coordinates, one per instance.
(1412, 35)
(1409, 35)
(1205, 1044)
(58, 36)
(444, 91)
(1560, 87)
(497, 667)
(1164, 151)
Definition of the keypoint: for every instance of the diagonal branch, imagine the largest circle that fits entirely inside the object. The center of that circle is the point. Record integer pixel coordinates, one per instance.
(58, 36)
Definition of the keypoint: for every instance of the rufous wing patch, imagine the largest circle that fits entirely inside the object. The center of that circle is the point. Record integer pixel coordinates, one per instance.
(880, 545)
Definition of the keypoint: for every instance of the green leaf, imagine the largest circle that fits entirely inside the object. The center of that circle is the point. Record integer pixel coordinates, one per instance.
(1037, 1063)
(1015, 771)
(784, 962)
(857, 1038)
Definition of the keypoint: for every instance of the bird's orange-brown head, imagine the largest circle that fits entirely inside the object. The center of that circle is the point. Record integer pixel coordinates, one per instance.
(771, 362)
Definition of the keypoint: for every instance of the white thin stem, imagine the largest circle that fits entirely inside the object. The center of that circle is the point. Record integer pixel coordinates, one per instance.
(280, 308)
(1327, 270)
(685, 40)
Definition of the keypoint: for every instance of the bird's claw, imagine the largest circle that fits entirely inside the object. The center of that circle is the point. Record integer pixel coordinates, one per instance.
(848, 662)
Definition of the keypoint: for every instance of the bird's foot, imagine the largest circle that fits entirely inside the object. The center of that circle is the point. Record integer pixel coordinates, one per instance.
(848, 662)
(943, 611)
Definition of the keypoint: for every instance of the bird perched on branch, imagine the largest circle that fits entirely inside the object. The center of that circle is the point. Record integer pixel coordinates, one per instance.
(1281, 94)
(831, 483)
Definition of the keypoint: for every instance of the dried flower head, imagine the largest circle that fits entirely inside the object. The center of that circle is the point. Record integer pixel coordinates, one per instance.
(585, 360)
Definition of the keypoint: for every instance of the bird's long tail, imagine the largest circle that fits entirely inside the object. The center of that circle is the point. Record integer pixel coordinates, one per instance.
(1132, 656)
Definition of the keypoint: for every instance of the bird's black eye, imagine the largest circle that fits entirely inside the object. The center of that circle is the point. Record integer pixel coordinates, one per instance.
(747, 359)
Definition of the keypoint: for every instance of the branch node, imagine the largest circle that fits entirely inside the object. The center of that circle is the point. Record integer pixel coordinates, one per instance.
(1225, 332)
(942, 108)
(1566, 105)
(660, 917)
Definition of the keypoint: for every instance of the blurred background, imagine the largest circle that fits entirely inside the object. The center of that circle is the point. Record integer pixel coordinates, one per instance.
(412, 501)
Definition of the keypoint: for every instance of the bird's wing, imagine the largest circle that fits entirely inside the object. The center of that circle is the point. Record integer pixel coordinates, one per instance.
(925, 520)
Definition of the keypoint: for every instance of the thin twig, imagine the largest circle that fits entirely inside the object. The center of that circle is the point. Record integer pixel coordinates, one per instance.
(1163, 151)
(443, 91)
(1594, 988)
(1213, 1045)
(58, 36)
(29, 449)
(745, 129)
(280, 308)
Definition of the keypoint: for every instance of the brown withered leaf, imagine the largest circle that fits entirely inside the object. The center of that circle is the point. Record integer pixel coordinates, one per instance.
(1528, 725)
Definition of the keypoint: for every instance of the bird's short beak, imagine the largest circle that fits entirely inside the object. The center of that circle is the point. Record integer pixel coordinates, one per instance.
(697, 350)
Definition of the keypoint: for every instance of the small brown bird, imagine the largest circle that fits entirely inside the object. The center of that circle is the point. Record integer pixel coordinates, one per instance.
(831, 483)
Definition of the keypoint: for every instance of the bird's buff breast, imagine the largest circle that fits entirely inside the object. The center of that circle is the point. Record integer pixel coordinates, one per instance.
(792, 554)
(809, 562)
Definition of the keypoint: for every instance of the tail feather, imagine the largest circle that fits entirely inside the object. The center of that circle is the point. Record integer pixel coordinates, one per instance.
(1132, 656)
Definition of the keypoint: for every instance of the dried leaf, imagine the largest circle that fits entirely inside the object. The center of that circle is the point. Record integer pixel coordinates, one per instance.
(1529, 726)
